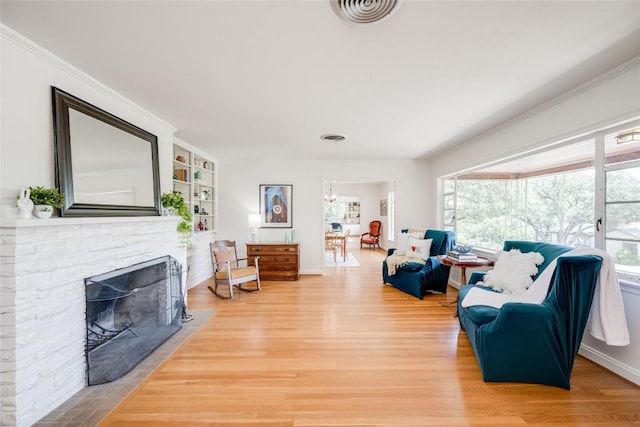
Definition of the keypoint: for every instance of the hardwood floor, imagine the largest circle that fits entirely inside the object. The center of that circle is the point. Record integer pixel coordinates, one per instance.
(342, 349)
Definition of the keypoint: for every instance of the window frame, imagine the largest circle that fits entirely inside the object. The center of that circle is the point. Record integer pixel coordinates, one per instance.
(600, 170)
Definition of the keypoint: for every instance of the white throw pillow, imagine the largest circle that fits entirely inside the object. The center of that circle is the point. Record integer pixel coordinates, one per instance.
(402, 241)
(419, 248)
(513, 271)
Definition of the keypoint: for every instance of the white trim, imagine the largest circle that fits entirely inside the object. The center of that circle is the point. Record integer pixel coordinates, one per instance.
(47, 222)
(601, 128)
(185, 145)
(628, 287)
(455, 144)
(18, 39)
(625, 371)
(312, 271)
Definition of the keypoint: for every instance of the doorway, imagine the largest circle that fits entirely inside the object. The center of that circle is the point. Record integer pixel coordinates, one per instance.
(349, 206)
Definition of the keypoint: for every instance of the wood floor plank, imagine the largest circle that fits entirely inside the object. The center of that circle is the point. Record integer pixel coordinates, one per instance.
(342, 349)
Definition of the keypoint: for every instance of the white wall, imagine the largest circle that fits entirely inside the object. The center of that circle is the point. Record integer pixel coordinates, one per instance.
(27, 154)
(366, 194)
(615, 97)
(238, 182)
(28, 72)
(383, 194)
(612, 98)
(27, 158)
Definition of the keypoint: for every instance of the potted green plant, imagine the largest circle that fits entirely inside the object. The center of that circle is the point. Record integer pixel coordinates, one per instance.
(44, 200)
(174, 202)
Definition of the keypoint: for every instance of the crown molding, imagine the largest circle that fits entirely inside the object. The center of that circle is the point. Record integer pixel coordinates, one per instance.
(28, 45)
(572, 93)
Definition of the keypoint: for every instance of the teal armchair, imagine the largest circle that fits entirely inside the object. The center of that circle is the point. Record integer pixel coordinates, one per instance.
(534, 343)
(417, 279)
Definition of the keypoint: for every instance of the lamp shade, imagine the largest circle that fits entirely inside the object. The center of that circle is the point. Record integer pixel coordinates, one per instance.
(254, 220)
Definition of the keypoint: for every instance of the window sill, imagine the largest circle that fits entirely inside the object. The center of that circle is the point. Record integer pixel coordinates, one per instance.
(629, 287)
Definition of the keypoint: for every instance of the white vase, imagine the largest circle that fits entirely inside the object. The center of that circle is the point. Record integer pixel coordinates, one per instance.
(43, 211)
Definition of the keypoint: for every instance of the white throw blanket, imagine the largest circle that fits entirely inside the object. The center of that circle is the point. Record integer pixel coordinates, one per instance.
(607, 321)
(394, 261)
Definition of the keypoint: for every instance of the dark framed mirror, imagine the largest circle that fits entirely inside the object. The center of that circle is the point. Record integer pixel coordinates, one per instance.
(104, 165)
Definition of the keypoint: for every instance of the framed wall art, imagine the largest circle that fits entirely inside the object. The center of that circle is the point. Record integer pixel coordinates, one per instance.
(276, 206)
(383, 207)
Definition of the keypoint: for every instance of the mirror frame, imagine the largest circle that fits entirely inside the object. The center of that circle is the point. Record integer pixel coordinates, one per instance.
(62, 102)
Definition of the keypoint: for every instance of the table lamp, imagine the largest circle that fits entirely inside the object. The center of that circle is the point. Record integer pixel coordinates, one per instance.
(254, 224)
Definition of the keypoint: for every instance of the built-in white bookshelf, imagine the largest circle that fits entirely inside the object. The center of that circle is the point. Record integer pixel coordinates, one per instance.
(352, 213)
(194, 176)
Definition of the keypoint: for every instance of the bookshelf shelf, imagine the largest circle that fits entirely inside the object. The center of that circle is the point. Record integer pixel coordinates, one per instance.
(195, 179)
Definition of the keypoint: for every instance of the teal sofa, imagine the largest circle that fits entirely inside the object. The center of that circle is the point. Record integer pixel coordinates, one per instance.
(417, 279)
(534, 343)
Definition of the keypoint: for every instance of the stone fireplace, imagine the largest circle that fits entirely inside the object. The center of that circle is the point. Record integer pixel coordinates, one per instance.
(43, 265)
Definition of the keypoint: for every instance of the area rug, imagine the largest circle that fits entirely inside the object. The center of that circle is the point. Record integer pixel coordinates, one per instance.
(351, 261)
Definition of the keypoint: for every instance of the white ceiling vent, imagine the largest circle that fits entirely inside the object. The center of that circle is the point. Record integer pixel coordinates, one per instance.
(363, 11)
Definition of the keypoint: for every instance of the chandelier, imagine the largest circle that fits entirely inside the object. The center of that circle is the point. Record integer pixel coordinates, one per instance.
(331, 197)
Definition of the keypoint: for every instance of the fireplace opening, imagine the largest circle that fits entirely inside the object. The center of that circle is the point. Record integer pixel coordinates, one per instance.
(130, 312)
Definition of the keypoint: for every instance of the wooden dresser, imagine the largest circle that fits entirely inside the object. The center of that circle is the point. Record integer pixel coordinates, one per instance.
(278, 261)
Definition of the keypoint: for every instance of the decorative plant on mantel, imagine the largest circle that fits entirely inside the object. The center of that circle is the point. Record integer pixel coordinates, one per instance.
(46, 196)
(45, 199)
(175, 202)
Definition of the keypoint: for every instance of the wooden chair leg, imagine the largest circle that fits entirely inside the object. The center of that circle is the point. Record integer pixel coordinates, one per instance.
(219, 295)
(239, 286)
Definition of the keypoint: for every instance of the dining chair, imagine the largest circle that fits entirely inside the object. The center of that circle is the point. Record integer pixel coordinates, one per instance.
(342, 244)
(331, 244)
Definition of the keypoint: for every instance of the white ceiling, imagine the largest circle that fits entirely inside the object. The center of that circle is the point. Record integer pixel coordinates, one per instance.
(265, 79)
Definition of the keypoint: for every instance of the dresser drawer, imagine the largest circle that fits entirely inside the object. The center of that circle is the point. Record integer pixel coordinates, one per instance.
(271, 249)
(277, 267)
(279, 275)
(278, 261)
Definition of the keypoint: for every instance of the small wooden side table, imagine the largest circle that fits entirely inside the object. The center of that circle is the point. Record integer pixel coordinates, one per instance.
(464, 264)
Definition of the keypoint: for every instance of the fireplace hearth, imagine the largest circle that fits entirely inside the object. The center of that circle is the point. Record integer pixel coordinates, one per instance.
(129, 313)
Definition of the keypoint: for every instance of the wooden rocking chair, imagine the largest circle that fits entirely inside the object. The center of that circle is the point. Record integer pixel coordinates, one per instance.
(227, 270)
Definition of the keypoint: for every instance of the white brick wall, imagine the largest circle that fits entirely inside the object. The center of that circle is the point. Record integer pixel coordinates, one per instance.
(199, 259)
(43, 264)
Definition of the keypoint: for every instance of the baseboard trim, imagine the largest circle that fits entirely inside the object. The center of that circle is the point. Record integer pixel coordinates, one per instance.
(310, 272)
(613, 365)
(454, 284)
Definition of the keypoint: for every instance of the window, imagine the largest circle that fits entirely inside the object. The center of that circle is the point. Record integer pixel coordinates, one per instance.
(622, 207)
(334, 212)
(449, 203)
(344, 211)
(582, 193)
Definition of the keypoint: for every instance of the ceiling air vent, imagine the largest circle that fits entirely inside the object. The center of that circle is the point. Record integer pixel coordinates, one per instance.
(363, 11)
(333, 137)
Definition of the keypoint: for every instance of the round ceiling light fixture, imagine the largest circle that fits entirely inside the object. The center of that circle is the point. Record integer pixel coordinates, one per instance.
(333, 137)
(363, 11)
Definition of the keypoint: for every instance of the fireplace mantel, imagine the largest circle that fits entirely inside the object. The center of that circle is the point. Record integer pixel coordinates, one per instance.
(55, 221)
